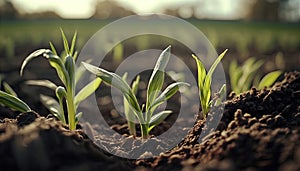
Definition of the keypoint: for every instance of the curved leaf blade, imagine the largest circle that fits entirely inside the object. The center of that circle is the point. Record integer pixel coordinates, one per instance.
(269, 79)
(13, 102)
(87, 90)
(167, 94)
(43, 83)
(8, 89)
(33, 55)
(158, 118)
(115, 81)
(52, 105)
(157, 77)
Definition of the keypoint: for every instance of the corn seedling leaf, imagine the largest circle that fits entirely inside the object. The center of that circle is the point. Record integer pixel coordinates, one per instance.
(65, 42)
(70, 68)
(249, 69)
(269, 79)
(157, 77)
(207, 83)
(53, 48)
(87, 90)
(135, 84)
(215, 64)
(115, 81)
(8, 89)
(129, 113)
(58, 65)
(44, 83)
(35, 54)
(158, 118)
(222, 95)
(80, 71)
(78, 117)
(52, 105)
(13, 102)
(167, 94)
(73, 45)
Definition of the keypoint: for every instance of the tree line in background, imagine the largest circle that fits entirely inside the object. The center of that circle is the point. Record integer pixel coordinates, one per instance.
(256, 10)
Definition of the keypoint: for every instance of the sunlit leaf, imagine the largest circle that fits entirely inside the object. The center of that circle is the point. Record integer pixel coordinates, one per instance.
(13, 102)
(157, 77)
(65, 42)
(78, 117)
(73, 45)
(269, 79)
(167, 94)
(52, 105)
(33, 55)
(53, 48)
(158, 118)
(58, 65)
(44, 83)
(8, 89)
(115, 81)
(87, 90)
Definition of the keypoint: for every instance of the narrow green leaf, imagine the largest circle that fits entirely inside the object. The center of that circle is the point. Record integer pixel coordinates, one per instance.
(157, 77)
(249, 70)
(53, 48)
(215, 64)
(80, 71)
(201, 73)
(235, 73)
(58, 65)
(35, 54)
(65, 42)
(70, 68)
(75, 55)
(158, 118)
(135, 84)
(52, 105)
(13, 102)
(222, 95)
(167, 94)
(8, 89)
(73, 45)
(87, 90)
(117, 82)
(44, 83)
(269, 79)
(78, 117)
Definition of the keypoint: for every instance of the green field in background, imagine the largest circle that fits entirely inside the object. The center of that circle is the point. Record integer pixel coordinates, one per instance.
(226, 34)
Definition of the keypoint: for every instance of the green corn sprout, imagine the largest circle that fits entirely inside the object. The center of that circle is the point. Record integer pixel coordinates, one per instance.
(204, 83)
(245, 76)
(69, 74)
(144, 114)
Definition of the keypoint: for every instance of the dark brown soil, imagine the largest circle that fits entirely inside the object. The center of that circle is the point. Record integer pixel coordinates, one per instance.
(259, 130)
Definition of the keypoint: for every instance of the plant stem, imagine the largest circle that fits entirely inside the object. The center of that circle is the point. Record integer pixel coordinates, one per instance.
(131, 127)
(71, 107)
(144, 130)
(71, 113)
(61, 108)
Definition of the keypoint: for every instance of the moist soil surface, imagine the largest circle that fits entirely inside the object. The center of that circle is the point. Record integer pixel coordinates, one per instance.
(259, 130)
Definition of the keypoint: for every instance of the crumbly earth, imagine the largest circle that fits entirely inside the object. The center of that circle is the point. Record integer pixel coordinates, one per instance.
(259, 130)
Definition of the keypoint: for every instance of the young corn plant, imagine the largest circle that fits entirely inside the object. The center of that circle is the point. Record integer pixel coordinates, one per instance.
(245, 76)
(145, 114)
(69, 74)
(204, 84)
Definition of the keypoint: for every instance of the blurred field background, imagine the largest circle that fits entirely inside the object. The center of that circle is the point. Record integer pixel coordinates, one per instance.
(264, 29)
